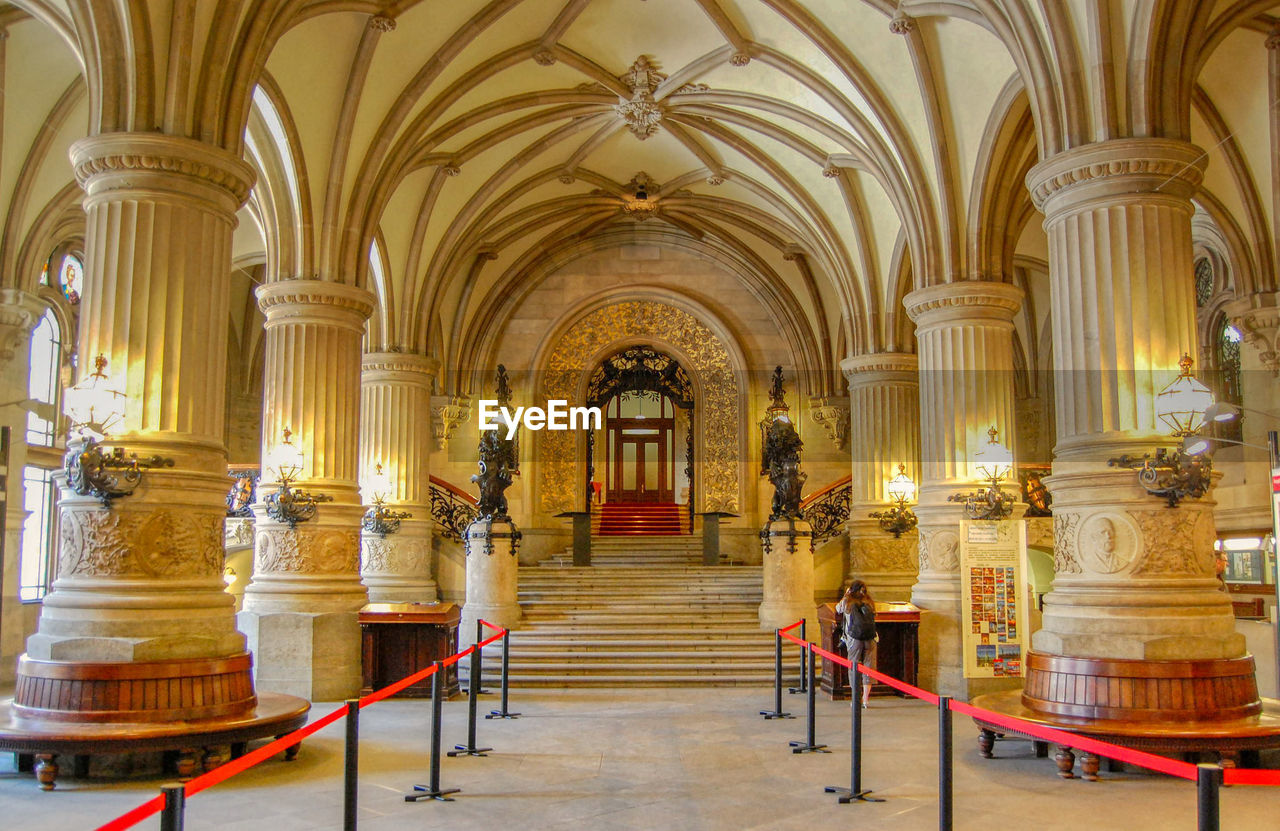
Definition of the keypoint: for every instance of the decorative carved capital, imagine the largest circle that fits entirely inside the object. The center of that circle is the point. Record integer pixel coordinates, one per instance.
(715, 180)
(315, 301)
(451, 169)
(1273, 39)
(901, 24)
(20, 311)
(1116, 168)
(112, 161)
(447, 412)
(739, 59)
(976, 300)
(1258, 319)
(382, 23)
(567, 178)
(399, 366)
(832, 415)
(544, 57)
(831, 172)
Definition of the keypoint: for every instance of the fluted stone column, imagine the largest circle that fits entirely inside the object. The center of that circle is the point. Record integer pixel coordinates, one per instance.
(964, 336)
(20, 312)
(142, 581)
(300, 609)
(1135, 578)
(395, 431)
(884, 400)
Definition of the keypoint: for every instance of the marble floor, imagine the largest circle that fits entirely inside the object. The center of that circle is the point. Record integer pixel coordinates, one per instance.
(696, 760)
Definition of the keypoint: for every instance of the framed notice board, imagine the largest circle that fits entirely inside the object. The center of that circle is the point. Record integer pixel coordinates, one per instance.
(993, 623)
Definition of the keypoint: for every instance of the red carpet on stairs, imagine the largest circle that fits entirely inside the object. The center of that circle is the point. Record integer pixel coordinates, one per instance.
(620, 519)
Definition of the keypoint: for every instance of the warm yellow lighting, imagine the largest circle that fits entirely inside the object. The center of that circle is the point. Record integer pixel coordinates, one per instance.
(286, 459)
(229, 576)
(1182, 404)
(993, 460)
(379, 486)
(95, 404)
(900, 488)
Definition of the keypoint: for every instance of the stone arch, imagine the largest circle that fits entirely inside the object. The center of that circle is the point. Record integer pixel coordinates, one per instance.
(698, 348)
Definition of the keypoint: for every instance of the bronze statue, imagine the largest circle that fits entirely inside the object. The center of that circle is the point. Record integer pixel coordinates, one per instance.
(499, 463)
(782, 447)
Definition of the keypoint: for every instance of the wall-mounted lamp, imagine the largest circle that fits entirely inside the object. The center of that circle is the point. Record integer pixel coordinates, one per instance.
(96, 406)
(380, 519)
(993, 462)
(898, 518)
(1177, 474)
(286, 504)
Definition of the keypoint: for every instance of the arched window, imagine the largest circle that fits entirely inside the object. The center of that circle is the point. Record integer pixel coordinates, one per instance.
(71, 278)
(1227, 362)
(1204, 281)
(42, 381)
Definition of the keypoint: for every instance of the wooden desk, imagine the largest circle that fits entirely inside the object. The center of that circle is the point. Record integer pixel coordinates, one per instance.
(398, 639)
(897, 653)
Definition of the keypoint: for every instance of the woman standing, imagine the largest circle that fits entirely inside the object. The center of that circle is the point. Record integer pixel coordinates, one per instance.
(860, 638)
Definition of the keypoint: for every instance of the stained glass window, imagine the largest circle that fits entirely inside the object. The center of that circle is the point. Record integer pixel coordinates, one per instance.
(71, 278)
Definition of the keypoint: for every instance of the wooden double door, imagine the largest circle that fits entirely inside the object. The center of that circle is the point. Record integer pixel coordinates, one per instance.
(640, 470)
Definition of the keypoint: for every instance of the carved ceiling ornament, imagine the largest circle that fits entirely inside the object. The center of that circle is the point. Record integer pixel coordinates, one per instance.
(642, 112)
(705, 357)
(447, 412)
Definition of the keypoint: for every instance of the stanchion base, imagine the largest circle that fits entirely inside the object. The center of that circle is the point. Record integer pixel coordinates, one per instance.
(850, 796)
(501, 714)
(463, 750)
(797, 690)
(805, 747)
(481, 691)
(775, 714)
(423, 792)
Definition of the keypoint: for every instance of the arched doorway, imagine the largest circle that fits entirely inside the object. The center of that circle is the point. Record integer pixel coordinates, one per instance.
(648, 402)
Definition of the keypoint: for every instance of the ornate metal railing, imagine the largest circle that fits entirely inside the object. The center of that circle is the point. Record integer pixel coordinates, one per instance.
(452, 508)
(827, 510)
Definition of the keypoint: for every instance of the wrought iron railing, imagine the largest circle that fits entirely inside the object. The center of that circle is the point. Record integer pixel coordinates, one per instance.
(827, 510)
(452, 508)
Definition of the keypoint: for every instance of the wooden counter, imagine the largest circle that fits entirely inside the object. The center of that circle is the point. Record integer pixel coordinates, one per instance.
(398, 639)
(897, 653)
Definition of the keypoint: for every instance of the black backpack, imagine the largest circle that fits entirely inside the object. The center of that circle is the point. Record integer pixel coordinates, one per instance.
(860, 621)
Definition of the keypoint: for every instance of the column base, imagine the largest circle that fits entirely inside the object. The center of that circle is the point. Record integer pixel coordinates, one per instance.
(1124, 690)
(787, 567)
(506, 615)
(313, 655)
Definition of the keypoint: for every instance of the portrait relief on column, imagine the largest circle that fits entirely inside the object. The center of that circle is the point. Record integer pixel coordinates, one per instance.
(706, 358)
(1108, 542)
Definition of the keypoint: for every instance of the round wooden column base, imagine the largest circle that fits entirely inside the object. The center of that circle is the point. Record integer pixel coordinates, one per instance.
(1143, 691)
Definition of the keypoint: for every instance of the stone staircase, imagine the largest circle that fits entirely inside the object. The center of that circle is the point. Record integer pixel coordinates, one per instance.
(645, 613)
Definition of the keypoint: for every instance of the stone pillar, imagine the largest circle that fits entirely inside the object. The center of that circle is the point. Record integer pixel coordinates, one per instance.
(20, 311)
(300, 609)
(884, 399)
(395, 431)
(1135, 578)
(788, 576)
(492, 578)
(964, 336)
(142, 581)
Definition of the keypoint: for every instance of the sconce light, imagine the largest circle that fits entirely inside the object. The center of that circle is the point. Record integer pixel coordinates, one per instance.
(1174, 475)
(993, 462)
(898, 519)
(286, 504)
(95, 407)
(380, 519)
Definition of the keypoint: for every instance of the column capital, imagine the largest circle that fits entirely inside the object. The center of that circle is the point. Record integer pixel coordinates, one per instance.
(1120, 169)
(151, 162)
(317, 302)
(881, 367)
(969, 301)
(20, 311)
(407, 367)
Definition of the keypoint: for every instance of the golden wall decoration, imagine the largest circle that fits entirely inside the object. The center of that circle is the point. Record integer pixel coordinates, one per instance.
(704, 357)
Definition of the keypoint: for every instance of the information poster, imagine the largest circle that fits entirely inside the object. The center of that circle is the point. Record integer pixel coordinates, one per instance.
(993, 558)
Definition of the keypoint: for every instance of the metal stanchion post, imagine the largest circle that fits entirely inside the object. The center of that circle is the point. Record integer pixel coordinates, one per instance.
(944, 763)
(854, 793)
(433, 791)
(506, 678)
(175, 804)
(1208, 780)
(351, 768)
(804, 679)
(475, 673)
(470, 749)
(810, 743)
(777, 712)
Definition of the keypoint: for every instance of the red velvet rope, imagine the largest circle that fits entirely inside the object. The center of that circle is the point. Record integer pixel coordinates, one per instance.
(224, 772)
